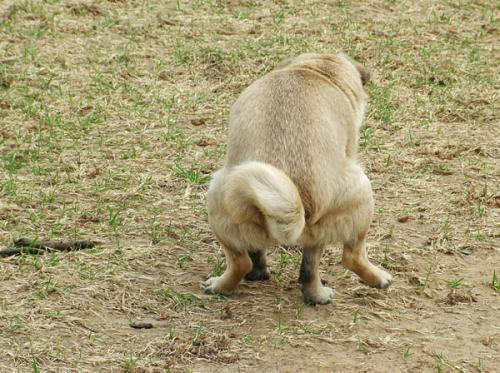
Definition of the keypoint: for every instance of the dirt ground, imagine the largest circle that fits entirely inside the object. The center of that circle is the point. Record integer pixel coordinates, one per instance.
(113, 114)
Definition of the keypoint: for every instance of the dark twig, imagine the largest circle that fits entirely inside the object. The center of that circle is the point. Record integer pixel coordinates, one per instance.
(141, 325)
(34, 247)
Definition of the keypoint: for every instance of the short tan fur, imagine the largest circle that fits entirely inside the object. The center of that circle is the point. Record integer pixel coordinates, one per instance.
(292, 176)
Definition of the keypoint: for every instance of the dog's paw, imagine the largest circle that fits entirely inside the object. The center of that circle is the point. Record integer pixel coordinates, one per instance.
(212, 286)
(322, 295)
(382, 279)
(261, 274)
(209, 286)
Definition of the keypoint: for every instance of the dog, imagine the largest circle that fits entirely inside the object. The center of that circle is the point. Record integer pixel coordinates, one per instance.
(291, 175)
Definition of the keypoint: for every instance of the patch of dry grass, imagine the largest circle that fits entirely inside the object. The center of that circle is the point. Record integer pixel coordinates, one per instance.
(113, 115)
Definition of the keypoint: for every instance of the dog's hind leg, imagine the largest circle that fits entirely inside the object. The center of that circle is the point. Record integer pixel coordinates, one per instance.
(238, 265)
(259, 266)
(312, 288)
(354, 257)
(351, 225)
(239, 227)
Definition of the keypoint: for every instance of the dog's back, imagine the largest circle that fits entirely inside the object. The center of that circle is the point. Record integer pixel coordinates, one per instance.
(292, 177)
(285, 119)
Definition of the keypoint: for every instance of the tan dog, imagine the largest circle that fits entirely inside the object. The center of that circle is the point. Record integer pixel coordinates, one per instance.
(292, 176)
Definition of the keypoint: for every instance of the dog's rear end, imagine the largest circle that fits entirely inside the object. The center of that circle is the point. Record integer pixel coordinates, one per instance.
(291, 175)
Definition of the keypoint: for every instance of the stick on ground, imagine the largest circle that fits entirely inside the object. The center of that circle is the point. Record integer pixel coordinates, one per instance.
(34, 247)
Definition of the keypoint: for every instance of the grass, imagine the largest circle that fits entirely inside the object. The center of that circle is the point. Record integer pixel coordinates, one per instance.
(183, 300)
(454, 284)
(495, 282)
(113, 115)
(192, 175)
(218, 265)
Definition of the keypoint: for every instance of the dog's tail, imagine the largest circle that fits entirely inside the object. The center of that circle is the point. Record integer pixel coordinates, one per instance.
(262, 186)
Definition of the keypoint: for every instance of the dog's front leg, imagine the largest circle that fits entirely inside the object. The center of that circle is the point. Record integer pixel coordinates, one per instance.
(312, 288)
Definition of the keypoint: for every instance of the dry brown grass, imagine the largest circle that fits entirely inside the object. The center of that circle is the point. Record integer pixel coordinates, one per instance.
(113, 114)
